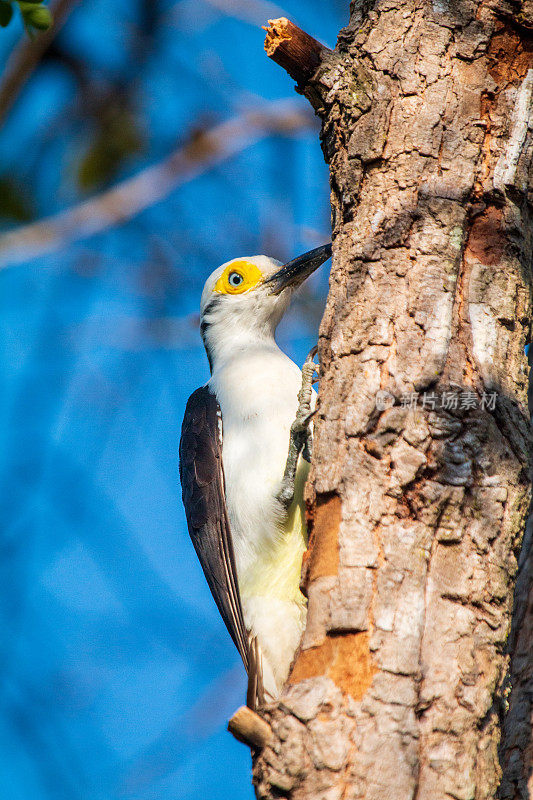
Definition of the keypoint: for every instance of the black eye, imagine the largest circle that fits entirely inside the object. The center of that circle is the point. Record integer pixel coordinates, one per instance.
(235, 279)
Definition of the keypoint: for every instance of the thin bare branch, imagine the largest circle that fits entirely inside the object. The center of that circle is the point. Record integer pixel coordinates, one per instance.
(26, 57)
(250, 11)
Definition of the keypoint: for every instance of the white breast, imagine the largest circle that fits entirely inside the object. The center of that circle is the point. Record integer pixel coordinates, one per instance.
(257, 390)
(258, 396)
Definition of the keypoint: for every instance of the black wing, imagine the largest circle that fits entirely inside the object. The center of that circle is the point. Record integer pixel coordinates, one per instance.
(202, 483)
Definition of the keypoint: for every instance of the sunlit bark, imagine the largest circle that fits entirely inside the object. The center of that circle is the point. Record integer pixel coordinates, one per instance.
(420, 481)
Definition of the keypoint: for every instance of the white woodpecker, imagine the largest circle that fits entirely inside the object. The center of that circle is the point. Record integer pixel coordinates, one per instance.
(243, 494)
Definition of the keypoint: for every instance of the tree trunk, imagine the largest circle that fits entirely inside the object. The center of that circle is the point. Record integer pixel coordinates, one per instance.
(420, 482)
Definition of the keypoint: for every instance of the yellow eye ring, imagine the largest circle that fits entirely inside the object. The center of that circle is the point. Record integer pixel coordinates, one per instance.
(238, 277)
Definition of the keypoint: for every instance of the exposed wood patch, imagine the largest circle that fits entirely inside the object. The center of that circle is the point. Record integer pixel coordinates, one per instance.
(510, 56)
(486, 240)
(353, 668)
(345, 658)
(278, 31)
(322, 556)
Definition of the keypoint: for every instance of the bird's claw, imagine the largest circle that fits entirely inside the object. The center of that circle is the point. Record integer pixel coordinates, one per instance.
(301, 422)
(307, 450)
(301, 439)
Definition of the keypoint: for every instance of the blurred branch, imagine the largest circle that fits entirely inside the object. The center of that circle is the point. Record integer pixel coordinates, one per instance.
(203, 151)
(251, 11)
(26, 57)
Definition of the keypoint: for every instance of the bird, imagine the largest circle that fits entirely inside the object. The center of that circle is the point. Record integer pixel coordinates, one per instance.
(244, 453)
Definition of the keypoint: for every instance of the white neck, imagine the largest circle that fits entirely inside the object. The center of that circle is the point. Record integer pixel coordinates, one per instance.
(232, 343)
(230, 333)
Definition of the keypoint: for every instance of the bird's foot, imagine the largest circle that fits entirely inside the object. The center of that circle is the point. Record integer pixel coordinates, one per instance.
(304, 413)
(300, 436)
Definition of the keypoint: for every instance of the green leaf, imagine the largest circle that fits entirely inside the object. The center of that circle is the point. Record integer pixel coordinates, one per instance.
(37, 16)
(28, 5)
(6, 12)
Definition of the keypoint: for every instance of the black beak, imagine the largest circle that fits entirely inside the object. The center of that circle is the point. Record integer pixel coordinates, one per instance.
(296, 271)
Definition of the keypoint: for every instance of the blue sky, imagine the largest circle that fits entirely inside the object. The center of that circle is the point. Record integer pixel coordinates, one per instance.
(118, 675)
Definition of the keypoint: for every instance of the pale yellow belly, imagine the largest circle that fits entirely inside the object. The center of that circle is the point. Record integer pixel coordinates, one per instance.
(274, 607)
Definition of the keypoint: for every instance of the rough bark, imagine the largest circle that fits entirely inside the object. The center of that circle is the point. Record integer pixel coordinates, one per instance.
(416, 514)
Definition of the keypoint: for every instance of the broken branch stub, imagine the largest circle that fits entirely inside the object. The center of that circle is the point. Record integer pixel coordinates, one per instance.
(298, 53)
(249, 728)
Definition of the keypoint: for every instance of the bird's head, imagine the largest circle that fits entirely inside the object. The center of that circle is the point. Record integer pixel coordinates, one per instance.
(244, 299)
